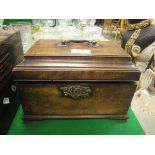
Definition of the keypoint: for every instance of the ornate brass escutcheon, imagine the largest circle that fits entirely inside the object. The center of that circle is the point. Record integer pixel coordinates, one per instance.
(76, 91)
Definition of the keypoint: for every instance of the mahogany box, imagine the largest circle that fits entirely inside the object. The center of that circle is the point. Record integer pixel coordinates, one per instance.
(75, 79)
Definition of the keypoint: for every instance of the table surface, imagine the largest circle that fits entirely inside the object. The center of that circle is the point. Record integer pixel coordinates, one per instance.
(75, 127)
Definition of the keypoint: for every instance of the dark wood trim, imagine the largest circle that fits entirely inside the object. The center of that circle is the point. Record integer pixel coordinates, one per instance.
(48, 117)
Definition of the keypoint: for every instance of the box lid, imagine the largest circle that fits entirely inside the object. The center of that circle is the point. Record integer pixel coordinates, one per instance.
(46, 60)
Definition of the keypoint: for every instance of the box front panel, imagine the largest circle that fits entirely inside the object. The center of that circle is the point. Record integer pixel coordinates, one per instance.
(72, 98)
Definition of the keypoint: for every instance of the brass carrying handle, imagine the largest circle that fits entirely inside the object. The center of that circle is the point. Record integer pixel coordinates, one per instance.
(67, 43)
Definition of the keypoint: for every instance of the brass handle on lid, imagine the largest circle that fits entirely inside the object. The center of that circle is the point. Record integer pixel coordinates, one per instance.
(67, 43)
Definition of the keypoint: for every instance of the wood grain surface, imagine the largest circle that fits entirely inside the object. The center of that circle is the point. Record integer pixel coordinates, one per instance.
(108, 71)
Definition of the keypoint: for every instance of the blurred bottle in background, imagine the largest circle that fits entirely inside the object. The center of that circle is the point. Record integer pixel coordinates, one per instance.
(25, 31)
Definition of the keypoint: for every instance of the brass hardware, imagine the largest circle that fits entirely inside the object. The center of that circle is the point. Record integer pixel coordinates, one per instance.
(67, 43)
(76, 91)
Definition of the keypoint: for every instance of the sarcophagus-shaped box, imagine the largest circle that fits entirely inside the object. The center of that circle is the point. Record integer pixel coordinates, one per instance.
(75, 79)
